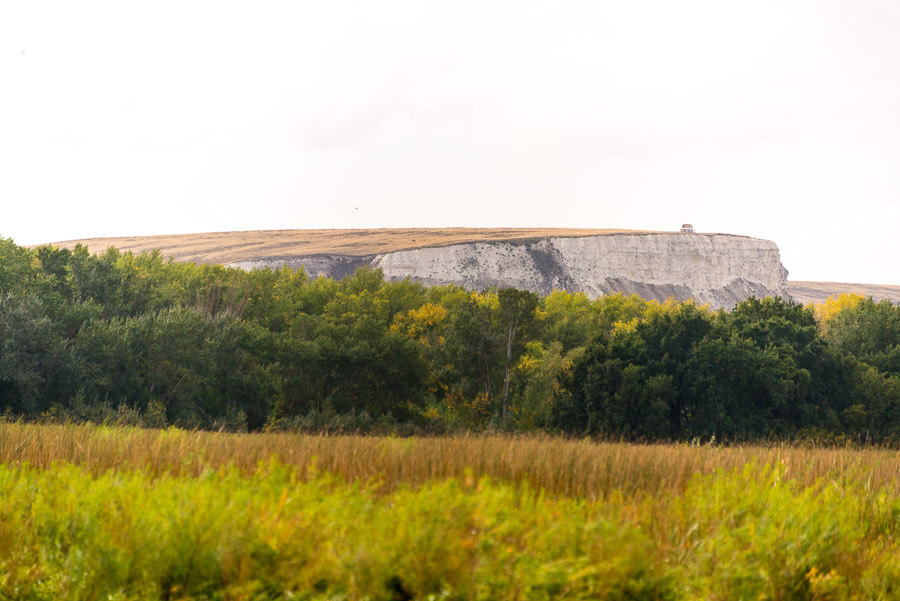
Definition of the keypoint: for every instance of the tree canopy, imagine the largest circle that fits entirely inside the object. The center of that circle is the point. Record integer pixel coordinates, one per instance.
(141, 339)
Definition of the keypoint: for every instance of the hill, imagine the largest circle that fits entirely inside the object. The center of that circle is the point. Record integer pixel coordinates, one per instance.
(234, 247)
(806, 292)
(242, 247)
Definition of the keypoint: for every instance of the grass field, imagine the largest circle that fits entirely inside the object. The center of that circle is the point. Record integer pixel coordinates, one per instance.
(104, 513)
(229, 247)
(575, 468)
(817, 292)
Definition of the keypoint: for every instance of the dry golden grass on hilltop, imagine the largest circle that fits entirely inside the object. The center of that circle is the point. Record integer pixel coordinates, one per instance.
(584, 469)
(817, 292)
(228, 247)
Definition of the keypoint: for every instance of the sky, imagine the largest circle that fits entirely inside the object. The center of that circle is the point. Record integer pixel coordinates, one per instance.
(778, 119)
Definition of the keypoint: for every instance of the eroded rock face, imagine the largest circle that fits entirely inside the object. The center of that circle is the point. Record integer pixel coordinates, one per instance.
(331, 266)
(718, 269)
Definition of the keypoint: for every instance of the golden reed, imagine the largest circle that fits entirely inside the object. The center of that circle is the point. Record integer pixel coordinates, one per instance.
(575, 468)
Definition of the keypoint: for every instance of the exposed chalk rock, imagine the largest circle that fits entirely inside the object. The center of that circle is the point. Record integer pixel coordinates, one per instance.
(331, 266)
(718, 269)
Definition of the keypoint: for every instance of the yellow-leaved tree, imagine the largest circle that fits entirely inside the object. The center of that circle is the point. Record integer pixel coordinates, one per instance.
(833, 305)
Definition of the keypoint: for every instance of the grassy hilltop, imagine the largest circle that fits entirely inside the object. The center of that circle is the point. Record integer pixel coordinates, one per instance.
(229, 247)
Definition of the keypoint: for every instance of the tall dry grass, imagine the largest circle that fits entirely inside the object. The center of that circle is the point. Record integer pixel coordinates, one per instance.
(575, 468)
(227, 247)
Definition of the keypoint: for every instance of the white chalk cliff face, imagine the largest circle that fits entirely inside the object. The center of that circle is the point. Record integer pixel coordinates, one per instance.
(718, 269)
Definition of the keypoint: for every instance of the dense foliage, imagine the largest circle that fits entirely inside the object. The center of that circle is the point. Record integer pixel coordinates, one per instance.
(754, 532)
(138, 339)
(131, 514)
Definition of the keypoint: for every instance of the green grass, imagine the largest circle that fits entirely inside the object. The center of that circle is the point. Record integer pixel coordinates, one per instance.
(747, 534)
(202, 529)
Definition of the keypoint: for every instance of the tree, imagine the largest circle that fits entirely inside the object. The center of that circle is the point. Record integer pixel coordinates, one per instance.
(350, 358)
(537, 377)
(201, 368)
(474, 344)
(30, 354)
(515, 313)
(668, 339)
(108, 367)
(427, 326)
(568, 318)
(869, 331)
(832, 306)
(16, 271)
(736, 389)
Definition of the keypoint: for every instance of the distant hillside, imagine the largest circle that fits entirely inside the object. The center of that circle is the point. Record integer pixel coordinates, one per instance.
(719, 269)
(233, 247)
(806, 292)
(243, 247)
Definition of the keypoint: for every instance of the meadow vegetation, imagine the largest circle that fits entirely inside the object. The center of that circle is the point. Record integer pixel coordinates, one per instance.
(581, 468)
(93, 512)
(496, 507)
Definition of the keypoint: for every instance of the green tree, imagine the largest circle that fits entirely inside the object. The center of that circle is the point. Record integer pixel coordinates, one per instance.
(515, 312)
(474, 345)
(109, 370)
(735, 389)
(16, 267)
(870, 332)
(31, 354)
(202, 369)
(568, 318)
(350, 358)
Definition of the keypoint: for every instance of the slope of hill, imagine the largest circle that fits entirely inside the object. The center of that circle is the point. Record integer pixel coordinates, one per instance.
(233, 247)
(718, 269)
(236, 247)
(817, 292)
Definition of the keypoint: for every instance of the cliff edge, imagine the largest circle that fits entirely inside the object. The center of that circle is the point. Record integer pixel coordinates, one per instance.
(717, 269)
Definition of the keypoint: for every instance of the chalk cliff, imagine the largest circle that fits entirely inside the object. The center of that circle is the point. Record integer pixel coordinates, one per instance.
(718, 269)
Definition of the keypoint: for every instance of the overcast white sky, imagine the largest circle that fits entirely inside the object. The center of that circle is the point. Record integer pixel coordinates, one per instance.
(778, 119)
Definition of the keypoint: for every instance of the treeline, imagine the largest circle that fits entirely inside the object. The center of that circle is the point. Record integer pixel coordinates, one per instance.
(139, 339)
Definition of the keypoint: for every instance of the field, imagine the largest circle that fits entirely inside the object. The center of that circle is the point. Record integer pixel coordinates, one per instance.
(228, 247)
(104, 513)
(817, 292)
